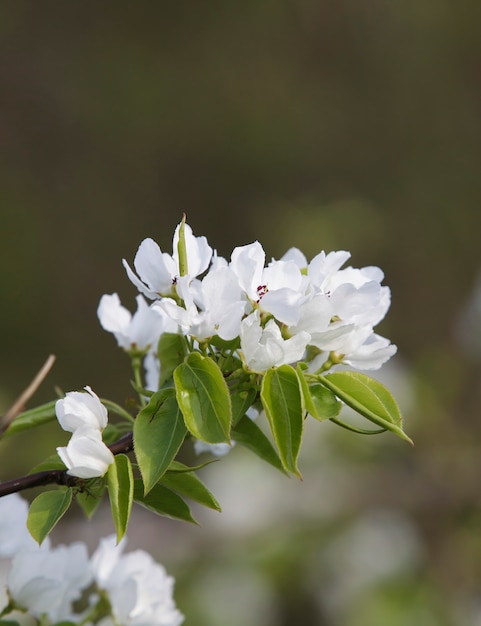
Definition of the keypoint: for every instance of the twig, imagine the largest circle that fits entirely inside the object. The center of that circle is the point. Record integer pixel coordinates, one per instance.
(59, 477)
(19, 404)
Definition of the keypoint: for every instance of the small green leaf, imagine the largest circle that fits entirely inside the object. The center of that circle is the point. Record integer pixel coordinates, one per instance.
(111, 433)
(120, 482)
(182, 249)
(283, 403)
(189, 485)
(324, 404)
(8, 622)
(204, 398)
(247, 433)
(225, 344)
(90, 498)
(32, 418)
(368, 397)
(52, 462)
(241, 402)
(319, 401)
(45, 511)
(172, 350)
(159, 431)
(163, 501)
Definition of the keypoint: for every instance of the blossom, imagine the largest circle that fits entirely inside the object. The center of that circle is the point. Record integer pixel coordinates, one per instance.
(86, 455)
(139, 590)
(264, 347)
(14, 535)
(247, 263)
(371, 354)
(158, 271)
(357, 295)
(133, 332)
(278, 288)
(323, 266)
(219, 298)
(152, 370)
(47, 581)
(357, 346)
(80, 409)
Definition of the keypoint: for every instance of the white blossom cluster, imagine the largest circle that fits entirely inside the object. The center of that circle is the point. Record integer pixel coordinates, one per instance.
(47, 581)
(82, 414)
(278, 309)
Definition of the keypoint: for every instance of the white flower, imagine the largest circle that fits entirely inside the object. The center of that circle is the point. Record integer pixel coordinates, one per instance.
(46, 582)
(159, 271)
(221, 305)
(139, 590)
(371, 354)
(284, 289)
(279, 288)
(314, 317)
(263, 348)
(357, 346)
(323, 266)
(295, 256)
(247, 263)
(133, 332)
(217, 449)
(152, 371)
(357, 295)
(14, 535)
(183, 317)
(86, 455)
(80, 409)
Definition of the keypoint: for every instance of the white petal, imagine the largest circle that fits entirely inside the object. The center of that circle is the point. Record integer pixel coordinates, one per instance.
(247, 263)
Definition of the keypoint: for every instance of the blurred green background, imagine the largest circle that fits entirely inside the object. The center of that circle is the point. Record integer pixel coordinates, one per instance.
(324, 125)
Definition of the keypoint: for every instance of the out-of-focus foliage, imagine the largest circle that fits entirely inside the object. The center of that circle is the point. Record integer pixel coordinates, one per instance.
(346, 125)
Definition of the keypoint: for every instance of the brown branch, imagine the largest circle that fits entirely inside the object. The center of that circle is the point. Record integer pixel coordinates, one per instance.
(59, 477)
(20, 403)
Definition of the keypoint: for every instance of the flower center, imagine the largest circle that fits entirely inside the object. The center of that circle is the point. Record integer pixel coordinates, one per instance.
(261, 291)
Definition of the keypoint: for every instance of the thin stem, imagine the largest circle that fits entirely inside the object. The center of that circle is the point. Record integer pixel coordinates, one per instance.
(137, 367)
(19, 404)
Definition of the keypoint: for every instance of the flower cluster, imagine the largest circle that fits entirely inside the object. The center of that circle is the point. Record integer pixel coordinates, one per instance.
(123, 589)
(280, 311)
(82, 414)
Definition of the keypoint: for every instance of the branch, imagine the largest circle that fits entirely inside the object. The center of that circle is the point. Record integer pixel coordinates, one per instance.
(59, 477)
(19, 404)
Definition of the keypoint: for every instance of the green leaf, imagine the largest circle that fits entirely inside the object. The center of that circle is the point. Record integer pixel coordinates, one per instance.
(189, 485)
(204, 398)
(175, 466)
(8, 622)
(32, 418)
(368, 397)
(163, 501)
(52, 462)
(247, 433)
(241, 402)
(159, 431)
(282, 401)
(90, 498)
(172, 350)
(120, 482)
(319, 401)
(45, 511)
(182, 249)
(225, 344)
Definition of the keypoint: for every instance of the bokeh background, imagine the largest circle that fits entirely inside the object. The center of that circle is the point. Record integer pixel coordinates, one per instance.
(324, 125)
